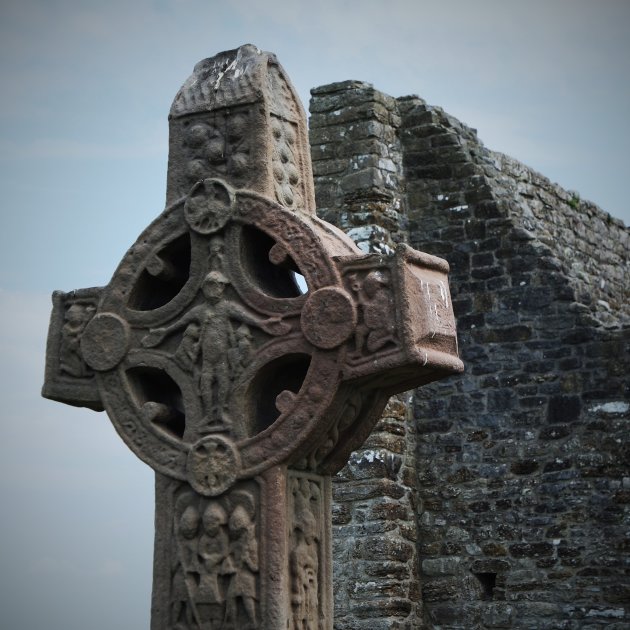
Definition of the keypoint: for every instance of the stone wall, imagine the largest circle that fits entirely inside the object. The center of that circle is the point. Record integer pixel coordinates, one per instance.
(504, 501)
(357, 163)
(359, 186)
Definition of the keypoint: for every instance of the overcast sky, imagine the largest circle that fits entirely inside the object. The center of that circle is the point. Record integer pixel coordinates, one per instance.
(83, 147)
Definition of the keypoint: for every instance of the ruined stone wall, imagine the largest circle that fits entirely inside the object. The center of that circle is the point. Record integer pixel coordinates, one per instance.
(359, 183)
(520, 489)
(591, 246)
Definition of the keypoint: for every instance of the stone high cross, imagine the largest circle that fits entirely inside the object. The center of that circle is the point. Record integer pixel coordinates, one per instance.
(244, 393)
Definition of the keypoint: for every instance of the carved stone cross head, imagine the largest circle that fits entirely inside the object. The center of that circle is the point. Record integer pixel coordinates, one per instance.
(243, 349)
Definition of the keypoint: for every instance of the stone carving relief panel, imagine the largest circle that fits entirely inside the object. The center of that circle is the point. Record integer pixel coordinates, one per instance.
(221, 144)
(289, 149)
(68, 375)
(212, 341)
(77, 315)
(286, 173)
(376, 330)
(306, 561)
(215, 563)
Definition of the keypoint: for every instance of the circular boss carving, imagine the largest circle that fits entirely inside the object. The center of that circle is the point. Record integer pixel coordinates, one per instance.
(328, 318)
(208, 206)
(105, 341)
(212, 465)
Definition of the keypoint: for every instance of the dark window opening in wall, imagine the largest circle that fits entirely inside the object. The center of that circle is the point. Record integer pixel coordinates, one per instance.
(488, 581)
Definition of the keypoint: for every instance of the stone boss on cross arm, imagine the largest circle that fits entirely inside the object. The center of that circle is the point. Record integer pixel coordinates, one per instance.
(243, 392)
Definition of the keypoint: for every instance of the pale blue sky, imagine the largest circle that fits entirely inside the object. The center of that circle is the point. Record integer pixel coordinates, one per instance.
(83, 146)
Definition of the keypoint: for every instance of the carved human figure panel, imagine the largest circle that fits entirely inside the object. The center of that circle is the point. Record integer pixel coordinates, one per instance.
(76, 318)
(306, 514)
(186, 569)
(242, 569)
(208, 338)
(377, 321)
(215, 576)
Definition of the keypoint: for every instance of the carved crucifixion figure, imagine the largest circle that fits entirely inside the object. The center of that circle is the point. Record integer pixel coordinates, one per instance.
(243, 391)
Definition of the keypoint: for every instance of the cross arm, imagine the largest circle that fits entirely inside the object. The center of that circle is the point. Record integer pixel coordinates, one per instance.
(68, 378)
